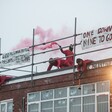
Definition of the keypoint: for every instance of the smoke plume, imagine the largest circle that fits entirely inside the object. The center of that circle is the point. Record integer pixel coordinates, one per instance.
(43, 38)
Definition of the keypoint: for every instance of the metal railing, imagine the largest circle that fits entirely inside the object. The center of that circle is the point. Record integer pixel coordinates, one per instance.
(34, 54)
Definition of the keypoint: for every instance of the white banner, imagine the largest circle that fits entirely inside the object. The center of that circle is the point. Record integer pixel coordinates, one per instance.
(97, 37)
(15, 57)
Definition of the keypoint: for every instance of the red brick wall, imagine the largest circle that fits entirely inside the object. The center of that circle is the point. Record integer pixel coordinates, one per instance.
(19, 90)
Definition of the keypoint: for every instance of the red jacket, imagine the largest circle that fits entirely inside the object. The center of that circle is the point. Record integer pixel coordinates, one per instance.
(3, 79)
(69, 56)
(60, 63)
(83, 68)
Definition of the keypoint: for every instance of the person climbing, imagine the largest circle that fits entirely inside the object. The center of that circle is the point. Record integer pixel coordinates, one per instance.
(69, 54)
(57, 62)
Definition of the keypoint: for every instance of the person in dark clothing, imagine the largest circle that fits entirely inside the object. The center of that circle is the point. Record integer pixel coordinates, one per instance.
(57, 62)
(82, 64)
(69, 55)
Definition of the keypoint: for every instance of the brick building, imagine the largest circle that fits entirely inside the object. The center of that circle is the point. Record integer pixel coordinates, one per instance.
(60, 91)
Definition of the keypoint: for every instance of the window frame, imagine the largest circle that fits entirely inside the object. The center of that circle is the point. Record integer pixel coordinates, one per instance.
(81, 96)
(6, 103)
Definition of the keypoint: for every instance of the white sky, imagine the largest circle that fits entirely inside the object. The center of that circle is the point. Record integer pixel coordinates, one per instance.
(19, 17)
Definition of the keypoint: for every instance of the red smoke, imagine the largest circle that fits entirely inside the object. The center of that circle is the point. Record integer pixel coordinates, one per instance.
(25, 43)
(50, 45)
(43, 37)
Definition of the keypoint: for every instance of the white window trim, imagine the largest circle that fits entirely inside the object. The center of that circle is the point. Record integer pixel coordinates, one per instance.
(81, 96)
(5, 102)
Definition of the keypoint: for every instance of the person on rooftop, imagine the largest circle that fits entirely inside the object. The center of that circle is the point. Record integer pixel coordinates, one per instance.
(69, 54)
(4, 78)
(57, 62)
(82, 64)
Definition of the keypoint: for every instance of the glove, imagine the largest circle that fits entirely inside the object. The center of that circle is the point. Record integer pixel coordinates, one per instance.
(59, 46)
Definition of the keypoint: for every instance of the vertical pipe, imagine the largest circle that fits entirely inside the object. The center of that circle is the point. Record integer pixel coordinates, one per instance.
(32, 57)
(74, 77)
(75, 42)
(23, 104)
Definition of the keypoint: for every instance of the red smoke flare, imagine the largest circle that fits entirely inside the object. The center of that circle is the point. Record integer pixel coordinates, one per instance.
(50, 45)
(25, 43)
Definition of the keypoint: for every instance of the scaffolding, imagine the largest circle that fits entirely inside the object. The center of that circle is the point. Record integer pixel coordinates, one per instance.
(33, 54)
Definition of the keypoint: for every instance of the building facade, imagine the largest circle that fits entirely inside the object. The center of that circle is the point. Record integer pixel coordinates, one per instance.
(60, 91)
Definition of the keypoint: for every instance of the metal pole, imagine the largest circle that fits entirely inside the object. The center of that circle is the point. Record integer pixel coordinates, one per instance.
(32, 56)
(74, 48)
(53, 41)
(75, 77)
(75, 43)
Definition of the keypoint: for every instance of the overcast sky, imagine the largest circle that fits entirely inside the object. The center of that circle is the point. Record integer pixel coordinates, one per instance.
(19, 17)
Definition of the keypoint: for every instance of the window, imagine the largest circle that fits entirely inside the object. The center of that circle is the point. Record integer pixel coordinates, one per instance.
(60, 93)
(102, 103)
(47, 106)
(74, 91)
(3, 107)
(89, 89)
(75, 104)
(9, 107)
(60, 105)
(34, 97)
(45, 95)
(6, 106)
(89, 104)
(90, 98)
(103, 87)
(33, 107)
